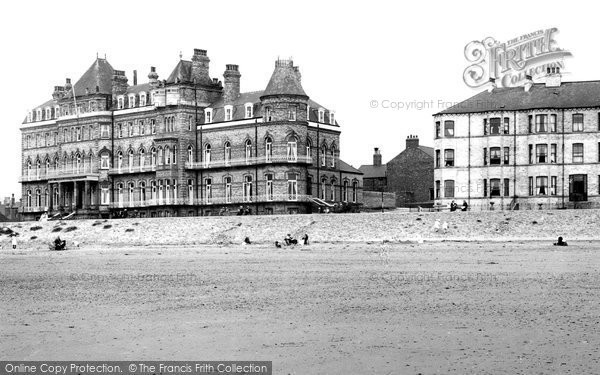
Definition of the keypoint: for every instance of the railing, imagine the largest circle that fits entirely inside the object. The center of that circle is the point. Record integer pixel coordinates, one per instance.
(211, 201)
(133, 169)
(52, 174)
(33, 209)
(247, 161)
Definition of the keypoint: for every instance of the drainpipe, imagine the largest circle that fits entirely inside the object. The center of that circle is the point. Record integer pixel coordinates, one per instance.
(563, 160)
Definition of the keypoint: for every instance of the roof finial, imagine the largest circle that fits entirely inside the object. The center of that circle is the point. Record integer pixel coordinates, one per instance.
(180, 55)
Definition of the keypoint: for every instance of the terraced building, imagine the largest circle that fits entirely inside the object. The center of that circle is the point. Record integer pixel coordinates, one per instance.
(186, 145)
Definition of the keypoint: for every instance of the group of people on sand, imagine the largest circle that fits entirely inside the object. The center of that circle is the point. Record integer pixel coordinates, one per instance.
(290, 240)
(454, 206)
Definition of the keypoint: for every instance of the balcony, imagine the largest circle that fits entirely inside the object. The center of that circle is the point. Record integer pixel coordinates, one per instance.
(133, 169)
(61, 174)
(238, 200)
(252, 161)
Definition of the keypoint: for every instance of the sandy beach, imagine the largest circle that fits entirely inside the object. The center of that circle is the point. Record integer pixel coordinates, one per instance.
(328, 308)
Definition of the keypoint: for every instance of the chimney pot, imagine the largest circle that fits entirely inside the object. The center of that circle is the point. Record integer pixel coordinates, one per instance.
(376, 157)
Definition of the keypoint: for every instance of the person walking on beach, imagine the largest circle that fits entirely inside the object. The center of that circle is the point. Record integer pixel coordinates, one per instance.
(14, 242)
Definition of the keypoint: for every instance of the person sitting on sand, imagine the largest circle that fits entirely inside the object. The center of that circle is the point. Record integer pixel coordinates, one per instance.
(59, 244)
(288, 239)
(247, 241)
(560, 242)
(453, 206)
(445, 227)
(465, 206)
(305, 239)
(277, 245)
(436, 225)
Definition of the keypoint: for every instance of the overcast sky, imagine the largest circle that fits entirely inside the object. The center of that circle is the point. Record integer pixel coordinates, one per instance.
(349, 55)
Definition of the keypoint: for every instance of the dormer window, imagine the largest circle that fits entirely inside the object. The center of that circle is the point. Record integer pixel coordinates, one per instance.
(38, 115)
(152, 97)
(30, 116)
(142, 99)
(321, 115)
(56, 112)
(120, 102)
(249, 111)
(332, 118)
(228, 113)
(131, 101)
(208, 116)
(48, 116)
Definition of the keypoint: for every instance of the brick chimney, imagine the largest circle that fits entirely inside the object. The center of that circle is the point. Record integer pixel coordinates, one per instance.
(412, 141)
(553, 77)
(59, 92)
(119, 85)
(134, 77)
(200, 62)
(376, 158)
(231, 89)
(153, 77)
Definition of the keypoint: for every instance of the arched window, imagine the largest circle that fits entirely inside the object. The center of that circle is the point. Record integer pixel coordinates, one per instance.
(332, 190)
(153, 157)
(190, 184)
(152, 191)
(207, 149)
(292, 150)
(323, 188)
(323, 156)
(28, 169)
(268, 149)
(167, 155)
(308, 148)
(208, 190)
(160, 157)
(354, 190)
(345, 191)
(227, 153)
(131, 193)
(142, 191)
(142, 159)
(38, 198)
(47, 166)
(248, 151)
(333, 156)
(120, 194)
(77, 163)
(190, 154)
(130, 160)
(269, 186)
(28, 198)
(38, 168)
(247, 188)
(119, 161)
(292, 186)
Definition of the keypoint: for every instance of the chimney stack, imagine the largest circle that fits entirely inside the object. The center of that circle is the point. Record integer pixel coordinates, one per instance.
(59, 92)
(119, 85)
(231, 89)
(553, 76)
(153, 77)
(68, 85)
(200, 63)
(376, 158)
(412, 141)
(135, 77)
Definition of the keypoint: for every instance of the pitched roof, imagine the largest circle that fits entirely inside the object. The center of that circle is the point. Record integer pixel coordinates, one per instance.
(427, 149)
(373, 171)
(285, 80)
(98, 75)
(181, 73)
(138, 88)
(345, 167)
(582, 94)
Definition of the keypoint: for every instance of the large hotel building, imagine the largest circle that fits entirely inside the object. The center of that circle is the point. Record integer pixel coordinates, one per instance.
(187, 145)
(530, 147)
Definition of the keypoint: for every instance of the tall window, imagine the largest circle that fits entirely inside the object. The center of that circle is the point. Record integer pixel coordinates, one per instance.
(268, 149)
(292, 151)
(167, 155)
(119, 161)
(227, 153)
(248, 151)
(577, 152)
(208, 190)
(153, 157)
(292, 114)
(190, 184)
(531, 187)
(190, 154)
(552, 123)
(553, 185)
(541, 123)
(142, 158)
(292, 186)
(506, 125)
(142, 127)
(506, 186)
(494, 187)
(207, 155)
(130, 128)
(495, 158)
(438, 129)
(247, 186)
(530, 124)
(437, 158)
(104, 196)
(449, 158)
(449, 188)
(153, 126)
(268, 115)
(541, 185)
(553, 153)
(578, 122)
(130, 160)
(345, 191)
(354, 190)
(308, 149)
(332, 190)
(506, 155)
(448, 128)
(207, 116)
(332, 156)
(495, 125)
(131, 193)
(120, 130)
(227, 181)
(142, 99)
(323, 156)
(530, 154)
(104, 162)
(269, 186)
(438, 189)
(249, 111)
(228, 112)
(541, 152)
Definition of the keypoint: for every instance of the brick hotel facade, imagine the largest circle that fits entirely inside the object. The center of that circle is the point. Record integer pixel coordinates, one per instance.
(530, 147)
(187, 145)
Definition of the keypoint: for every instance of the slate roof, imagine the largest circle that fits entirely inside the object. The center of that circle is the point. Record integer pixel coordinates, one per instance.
(99, 74)
(181, 73)
(345, 167)
(138, 88)
(582, 94)
(285, 80)
(427, 149)
(373, 171)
